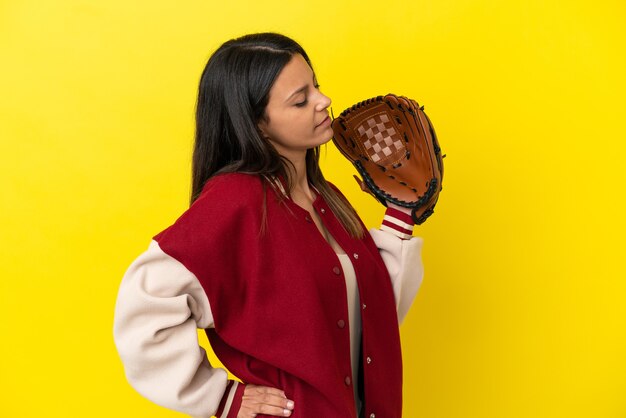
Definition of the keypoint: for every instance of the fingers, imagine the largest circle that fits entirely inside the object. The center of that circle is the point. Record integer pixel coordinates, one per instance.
(264, 400)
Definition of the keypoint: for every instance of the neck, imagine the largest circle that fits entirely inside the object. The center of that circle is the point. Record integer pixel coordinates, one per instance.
(299, 175)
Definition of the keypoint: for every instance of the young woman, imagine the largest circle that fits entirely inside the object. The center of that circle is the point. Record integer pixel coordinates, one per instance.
(298, 300)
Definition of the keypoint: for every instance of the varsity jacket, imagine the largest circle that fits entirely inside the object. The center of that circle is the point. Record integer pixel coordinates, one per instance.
(271, 295)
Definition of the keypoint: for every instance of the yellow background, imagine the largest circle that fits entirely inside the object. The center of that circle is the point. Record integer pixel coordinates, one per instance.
(522, 312)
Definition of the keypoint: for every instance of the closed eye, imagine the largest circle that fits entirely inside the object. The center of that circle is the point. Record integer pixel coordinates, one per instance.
(305, 101)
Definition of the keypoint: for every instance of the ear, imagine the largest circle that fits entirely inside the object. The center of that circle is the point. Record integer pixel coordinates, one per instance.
(262, 129)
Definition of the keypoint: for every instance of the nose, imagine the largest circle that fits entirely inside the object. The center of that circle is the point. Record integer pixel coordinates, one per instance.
(323, 102)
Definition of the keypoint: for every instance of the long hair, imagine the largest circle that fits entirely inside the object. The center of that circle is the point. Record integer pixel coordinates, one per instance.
(232, 97)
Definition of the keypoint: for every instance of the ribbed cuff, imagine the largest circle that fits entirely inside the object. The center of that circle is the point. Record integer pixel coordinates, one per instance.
(231, 401)
(398, 223)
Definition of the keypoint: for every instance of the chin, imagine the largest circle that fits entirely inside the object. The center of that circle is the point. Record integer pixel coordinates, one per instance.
(328, 135)
(326, 141)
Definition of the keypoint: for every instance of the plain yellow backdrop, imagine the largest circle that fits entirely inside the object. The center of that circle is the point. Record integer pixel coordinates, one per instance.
(523, 308)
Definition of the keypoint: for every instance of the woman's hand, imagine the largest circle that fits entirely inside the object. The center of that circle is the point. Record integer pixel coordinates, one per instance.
(264, 400)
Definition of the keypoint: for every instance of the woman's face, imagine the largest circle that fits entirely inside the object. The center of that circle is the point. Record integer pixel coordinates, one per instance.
(296, 116)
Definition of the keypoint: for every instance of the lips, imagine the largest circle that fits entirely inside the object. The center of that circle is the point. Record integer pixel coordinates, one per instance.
(324, 122)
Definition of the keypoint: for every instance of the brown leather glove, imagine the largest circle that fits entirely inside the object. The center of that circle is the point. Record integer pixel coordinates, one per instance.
(393, 145)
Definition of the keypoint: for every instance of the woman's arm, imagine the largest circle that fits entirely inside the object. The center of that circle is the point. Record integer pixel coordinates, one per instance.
(401, 253)
(159, 307)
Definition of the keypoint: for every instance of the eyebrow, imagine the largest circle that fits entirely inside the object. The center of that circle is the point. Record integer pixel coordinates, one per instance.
(300, 90)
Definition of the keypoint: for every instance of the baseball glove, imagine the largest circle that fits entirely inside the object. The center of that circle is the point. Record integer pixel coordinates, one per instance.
(393, 145)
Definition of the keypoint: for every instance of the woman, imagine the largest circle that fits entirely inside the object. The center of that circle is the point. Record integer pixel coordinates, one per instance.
(298, 300)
